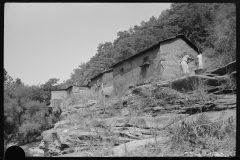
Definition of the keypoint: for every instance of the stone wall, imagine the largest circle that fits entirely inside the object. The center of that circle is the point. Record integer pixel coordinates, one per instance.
(132, 71)
(140, 74)
(57, 97)
(58, 94)
(106, 78)
(172, 51)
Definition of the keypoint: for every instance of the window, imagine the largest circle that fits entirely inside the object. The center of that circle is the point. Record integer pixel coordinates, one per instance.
(122, 71)
(145, 64)
(145, 59)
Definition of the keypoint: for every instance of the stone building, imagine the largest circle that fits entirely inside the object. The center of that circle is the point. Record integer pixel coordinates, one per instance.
(57, 96)
(105, 77)
(160, 60)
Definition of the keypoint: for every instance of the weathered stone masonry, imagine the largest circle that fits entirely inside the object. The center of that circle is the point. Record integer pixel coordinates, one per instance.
(161, 60)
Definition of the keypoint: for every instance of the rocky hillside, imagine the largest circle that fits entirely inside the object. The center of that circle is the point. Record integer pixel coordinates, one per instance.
(155, 119)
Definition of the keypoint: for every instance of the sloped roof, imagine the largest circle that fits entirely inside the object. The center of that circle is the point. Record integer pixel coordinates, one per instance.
(108, 70)
(76, 86)
(158, 43)
(68, 88)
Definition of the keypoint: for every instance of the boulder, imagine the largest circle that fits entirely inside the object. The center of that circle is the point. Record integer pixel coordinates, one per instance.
(36, 151)
(76, 154)
(124, 112)
(143, 89)
(53, 141)
(190, 83)
(158, 108)
(60, 124)
(229, 68)
(219, 154)
(133, 145)
(144, 122)
(212, 116)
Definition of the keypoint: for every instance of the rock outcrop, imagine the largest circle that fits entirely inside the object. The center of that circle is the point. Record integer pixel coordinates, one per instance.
(140, 118)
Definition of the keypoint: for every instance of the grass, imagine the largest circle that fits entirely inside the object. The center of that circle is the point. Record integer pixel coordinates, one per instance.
(195, 136)
(203, 134)
(199, 137)
(82, 98)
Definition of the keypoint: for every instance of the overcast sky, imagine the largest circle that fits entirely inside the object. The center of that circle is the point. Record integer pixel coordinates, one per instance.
(49, 40)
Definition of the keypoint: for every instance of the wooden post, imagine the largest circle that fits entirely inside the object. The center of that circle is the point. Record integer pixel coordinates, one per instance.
(103, 100)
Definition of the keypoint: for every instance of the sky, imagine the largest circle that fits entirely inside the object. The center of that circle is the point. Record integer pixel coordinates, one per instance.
(50, 40)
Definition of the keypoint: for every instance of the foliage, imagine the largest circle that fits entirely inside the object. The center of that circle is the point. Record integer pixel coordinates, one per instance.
(166, 95)
(25, 108)
(210, 26)
(28, 130)
(223, 31)
(51, 84)
(202, 134)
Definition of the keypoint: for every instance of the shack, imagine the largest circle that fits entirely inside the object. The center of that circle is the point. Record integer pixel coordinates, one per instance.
(75, 89)
(105, 77)
(161, 60)
(57, 96)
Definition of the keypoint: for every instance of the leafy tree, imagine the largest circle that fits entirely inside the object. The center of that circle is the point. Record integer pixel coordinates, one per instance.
(223, 31)
(8, 80)
(50, 84)
(18, 81)
(25, 109)
(210, 26)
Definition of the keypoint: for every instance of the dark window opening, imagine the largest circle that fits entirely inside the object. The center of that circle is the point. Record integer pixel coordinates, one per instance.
(145, 59)
(122, 71)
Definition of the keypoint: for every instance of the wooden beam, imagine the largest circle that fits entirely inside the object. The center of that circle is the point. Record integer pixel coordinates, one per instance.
(157, 59)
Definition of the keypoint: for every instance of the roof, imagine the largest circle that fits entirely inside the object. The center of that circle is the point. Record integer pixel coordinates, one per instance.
(108, 70)
(68, 88)
(76, 86)
(59, 90)
(158, 43)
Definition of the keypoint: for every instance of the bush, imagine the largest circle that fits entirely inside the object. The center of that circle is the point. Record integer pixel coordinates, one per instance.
(52, 119)
(166, 95)
(28, 132)
(202, 134)
(34, 122)
(33, 127)
(9, 126)
(34, 106)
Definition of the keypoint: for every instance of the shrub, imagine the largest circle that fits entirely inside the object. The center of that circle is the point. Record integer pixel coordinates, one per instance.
(166, 95)
(29, 131)
(35, 121)
(52, 119)
(202, 134)
(9, 125)
(34, 106)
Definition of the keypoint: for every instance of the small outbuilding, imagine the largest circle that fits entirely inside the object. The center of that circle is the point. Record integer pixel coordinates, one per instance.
(57, 96)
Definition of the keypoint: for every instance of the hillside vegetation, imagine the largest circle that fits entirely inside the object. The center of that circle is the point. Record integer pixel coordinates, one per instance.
(210, 26)
(147, 120)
